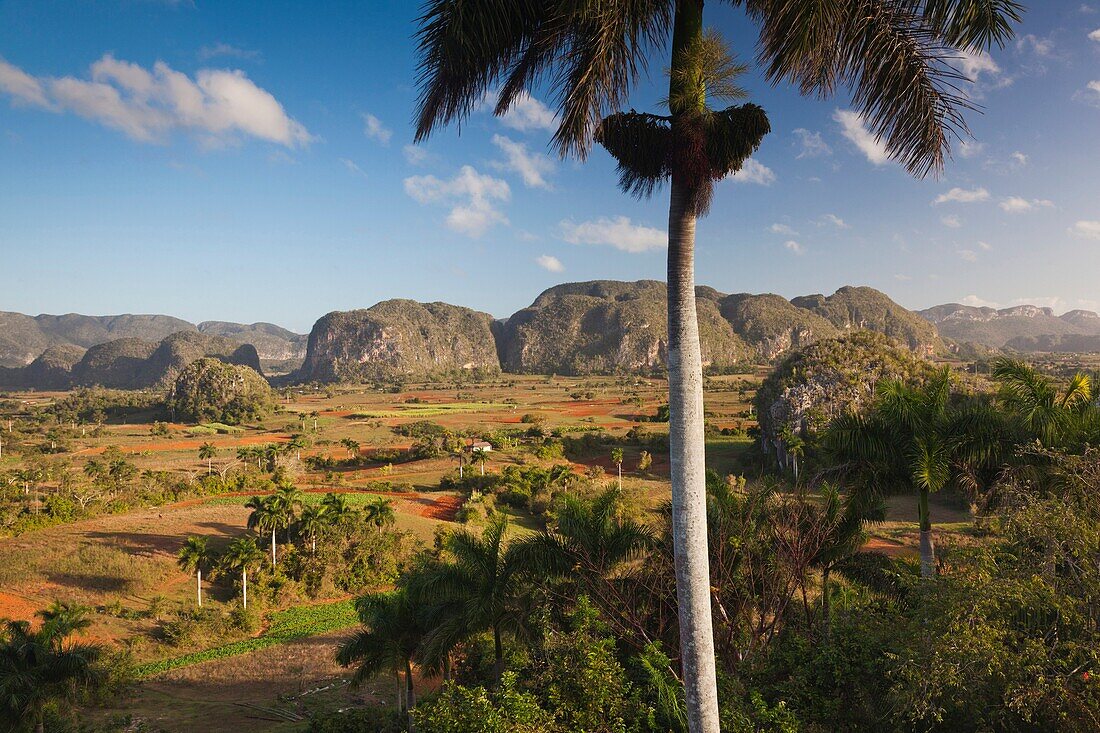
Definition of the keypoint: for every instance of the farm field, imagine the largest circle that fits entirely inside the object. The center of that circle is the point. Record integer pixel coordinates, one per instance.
(123, 564)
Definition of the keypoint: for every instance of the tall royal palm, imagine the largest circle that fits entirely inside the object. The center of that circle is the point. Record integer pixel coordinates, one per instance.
(894, 54)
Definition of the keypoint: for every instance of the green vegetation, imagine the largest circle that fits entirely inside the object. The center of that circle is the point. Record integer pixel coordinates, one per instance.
(283, 626)
(209, 390)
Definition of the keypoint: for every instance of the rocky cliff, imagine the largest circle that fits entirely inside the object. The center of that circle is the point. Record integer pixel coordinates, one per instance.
(399, 338)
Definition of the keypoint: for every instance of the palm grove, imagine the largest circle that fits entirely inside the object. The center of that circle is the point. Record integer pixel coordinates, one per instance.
(894, 55)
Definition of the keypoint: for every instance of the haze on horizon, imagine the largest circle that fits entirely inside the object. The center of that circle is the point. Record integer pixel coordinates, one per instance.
(185, 158)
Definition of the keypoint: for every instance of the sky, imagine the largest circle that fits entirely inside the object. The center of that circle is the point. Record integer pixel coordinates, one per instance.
(254, 161)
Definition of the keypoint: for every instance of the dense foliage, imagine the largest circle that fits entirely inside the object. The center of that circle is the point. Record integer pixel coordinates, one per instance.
(209, 390)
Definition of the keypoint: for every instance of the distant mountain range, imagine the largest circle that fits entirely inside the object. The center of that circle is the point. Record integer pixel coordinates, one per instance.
(1019, 328)
(597, 327)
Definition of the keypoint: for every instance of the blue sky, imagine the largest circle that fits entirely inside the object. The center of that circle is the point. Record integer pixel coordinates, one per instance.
(251, 161)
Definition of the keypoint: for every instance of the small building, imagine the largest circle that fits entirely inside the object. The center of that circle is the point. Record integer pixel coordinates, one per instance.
(481, 446)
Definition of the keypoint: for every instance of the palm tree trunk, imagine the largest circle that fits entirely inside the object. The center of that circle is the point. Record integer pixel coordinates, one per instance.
(826, 604)
(410, 693)
(198, 585)
(244, 586)
(498, 650)
(687, 446)
(272, 547)
(927, 546)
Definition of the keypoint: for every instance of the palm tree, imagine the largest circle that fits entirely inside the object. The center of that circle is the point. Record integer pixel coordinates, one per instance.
(379, 512)
(389, 642)
(337, 508)
(617, 459)
(207, 451)
(268, 515)
(1041, 412)
(296, 443)
(479, 456)
(40, 667)
(895, 56)
(914, 438)
(313, 522)
(351, 445)
(193, 557)
(242, 555)
(289, 498)
(479, 587)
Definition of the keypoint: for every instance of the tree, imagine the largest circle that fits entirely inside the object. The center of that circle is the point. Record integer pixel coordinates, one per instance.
(1039, 410)
(894, 53)
(296, 443)
(479, 586)
(313, 522)
(351, 445)
(389, 642)
(645, 461)
(241, 556)
(913, 438)
(379, 512)
(207, 451)
(481, 457)
(617, 459)
(209, 390)
(268, 515)
(192, 558)
(337, 509)
(40, 667)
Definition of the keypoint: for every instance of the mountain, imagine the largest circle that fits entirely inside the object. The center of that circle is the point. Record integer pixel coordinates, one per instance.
(773, 324)
(1022, 327)
(128, 363)
(398, 338)
(23, 338)
(604, 327)
(862, 308)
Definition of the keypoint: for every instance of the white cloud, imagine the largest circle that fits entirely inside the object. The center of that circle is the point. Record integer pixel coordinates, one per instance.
(968, 255)
(754, 172)
(903, 278)
(352, 166)
(1095, 35)
(951, 221)
(415, 155)
(835, 220)
(782, 229)
(21, 86)
(217, 105)
(852, 127)
(1019, 158)
(618, 232)
(224, 49)
(532, 167)
(1090, 94)
(962, 196)
(970, 148)
(973, 64)
(1039, 46)
(525, 113)
(1086, 229)
(375, 130)
(976, 302)
(985, 245)
(794, 246)
(1018, 205)
(471, 196)
(549, 262)
(810, 144)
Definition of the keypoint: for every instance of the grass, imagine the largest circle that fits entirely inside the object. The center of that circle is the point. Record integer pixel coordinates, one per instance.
(288, 625)
(421, 410)
(214, 428)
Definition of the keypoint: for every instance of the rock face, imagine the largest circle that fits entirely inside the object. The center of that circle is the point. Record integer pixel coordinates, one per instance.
(862, 308)
(774, 325)
(273, 343)
(399, 338)
(23, 338)
(126, 363)
(812, 386)
(1022, 327)
(211, 390)
(604, 327)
